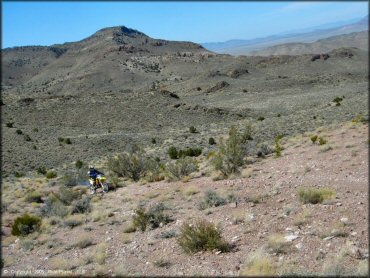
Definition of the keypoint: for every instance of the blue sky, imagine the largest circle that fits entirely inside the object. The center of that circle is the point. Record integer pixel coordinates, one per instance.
(46, 23)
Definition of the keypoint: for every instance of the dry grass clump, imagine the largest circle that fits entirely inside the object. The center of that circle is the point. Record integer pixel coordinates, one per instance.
(58, 263)
(191, 190)
(101, 253)
(315, 196)
(201, 235)
(126, 238)
(278, 244)
(74, 221)
(83, 241)
(259, 264)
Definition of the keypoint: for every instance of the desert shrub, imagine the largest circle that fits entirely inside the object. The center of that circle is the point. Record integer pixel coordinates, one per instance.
(27, 138)
(60, 139)
(278, 147)
(18, 174)
(81, 205)
(230, 154)
(41, 170)
(190, 152)
(79, 164)
(34, 196)
(70, 180)
(201, 235)
(35, 129)
(261, 118)
(211, 141)
(315, 196)
(67, 141)
(153, 218)
(322, 141)
(192, 129)
(211, 199)
(154, 170)
(54, 207)
(153, 141)
(51, 174)
(264, 150)
(26, 224)
(359, 119)
(10, 124)
(313, 138)
(182, 167)
(247, 132)
(278, 244)
(168, 234)
(67, 195)
(173, 153)
(130, 164)
(19, 132)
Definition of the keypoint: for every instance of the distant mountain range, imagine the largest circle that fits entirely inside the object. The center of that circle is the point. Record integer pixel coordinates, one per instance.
(247, 47)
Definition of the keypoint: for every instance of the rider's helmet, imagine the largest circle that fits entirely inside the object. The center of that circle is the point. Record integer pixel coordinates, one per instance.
(91, 167)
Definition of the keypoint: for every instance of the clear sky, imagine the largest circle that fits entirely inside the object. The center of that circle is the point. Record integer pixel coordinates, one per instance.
(46, 23)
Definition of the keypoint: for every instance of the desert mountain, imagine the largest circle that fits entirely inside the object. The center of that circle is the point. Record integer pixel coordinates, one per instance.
(358, 39)
(120, 86)
(245, 47)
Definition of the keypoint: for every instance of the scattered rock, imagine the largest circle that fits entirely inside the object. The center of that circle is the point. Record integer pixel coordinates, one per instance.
(290, 237)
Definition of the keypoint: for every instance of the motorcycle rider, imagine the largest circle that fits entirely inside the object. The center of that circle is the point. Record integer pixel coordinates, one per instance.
(93, 173)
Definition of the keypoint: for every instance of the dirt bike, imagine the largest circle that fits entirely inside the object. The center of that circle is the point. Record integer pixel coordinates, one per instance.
(100, 182)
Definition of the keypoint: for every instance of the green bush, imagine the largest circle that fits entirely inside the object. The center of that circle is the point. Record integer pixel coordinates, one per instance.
(18, 174)
(130, 164)
(211, 199)
(261, 118)
(10, 124)
(190, 152)
(79, 164)
(27, 138)
(313, 138)
(201, 236)
(192, 129)
(230, 154)
(172, 152)
(41, 170)
(315, 196)
(67, 141)
(34, 197)
(211, 141)
(322, 141)
(51, 174)
(182, 167)
(153, 141)
(278, 147)
(18, 131)
(247, 133)
(60, 139)
(25, 225)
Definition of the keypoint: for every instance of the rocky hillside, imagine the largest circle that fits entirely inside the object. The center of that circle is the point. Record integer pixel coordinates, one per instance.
(120, 87)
